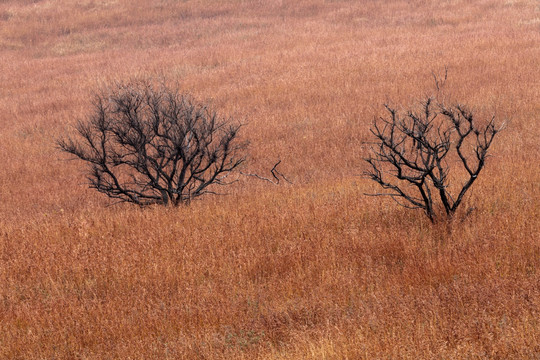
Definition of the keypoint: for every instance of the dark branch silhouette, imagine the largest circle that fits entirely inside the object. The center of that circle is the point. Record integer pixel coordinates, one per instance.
(276, 175)
(155, 145)
(409, 157)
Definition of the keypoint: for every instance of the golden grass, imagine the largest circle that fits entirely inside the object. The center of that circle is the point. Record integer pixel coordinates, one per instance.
(313, 270)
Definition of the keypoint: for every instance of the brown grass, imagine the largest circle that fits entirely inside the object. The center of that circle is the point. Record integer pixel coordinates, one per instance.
(313, 270)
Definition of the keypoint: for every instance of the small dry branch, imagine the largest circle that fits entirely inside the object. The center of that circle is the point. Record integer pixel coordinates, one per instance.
(276, 175)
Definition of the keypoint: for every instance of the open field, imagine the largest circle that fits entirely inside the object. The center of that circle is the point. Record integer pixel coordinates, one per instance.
(312, 270)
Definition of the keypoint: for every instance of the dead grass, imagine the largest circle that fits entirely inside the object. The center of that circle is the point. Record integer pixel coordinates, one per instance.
(313, 270)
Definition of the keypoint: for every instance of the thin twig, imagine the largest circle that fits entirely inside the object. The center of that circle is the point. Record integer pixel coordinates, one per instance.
(275, 174)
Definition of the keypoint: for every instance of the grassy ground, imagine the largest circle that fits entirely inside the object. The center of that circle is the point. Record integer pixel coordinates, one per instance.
(312, 270)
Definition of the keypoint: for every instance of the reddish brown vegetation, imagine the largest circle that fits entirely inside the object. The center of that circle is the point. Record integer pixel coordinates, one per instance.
(312, 270)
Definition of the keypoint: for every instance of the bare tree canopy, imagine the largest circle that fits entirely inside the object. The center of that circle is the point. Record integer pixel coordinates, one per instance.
(412, 153)
(148, 144)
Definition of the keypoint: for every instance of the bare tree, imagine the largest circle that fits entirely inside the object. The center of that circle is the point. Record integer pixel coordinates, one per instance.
(412, 153)
(149, 144)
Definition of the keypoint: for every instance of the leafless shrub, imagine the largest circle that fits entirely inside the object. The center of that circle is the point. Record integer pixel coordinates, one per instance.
(149, 144)
(413, 154)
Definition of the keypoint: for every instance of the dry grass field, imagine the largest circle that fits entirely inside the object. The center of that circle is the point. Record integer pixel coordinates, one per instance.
(309, 270)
